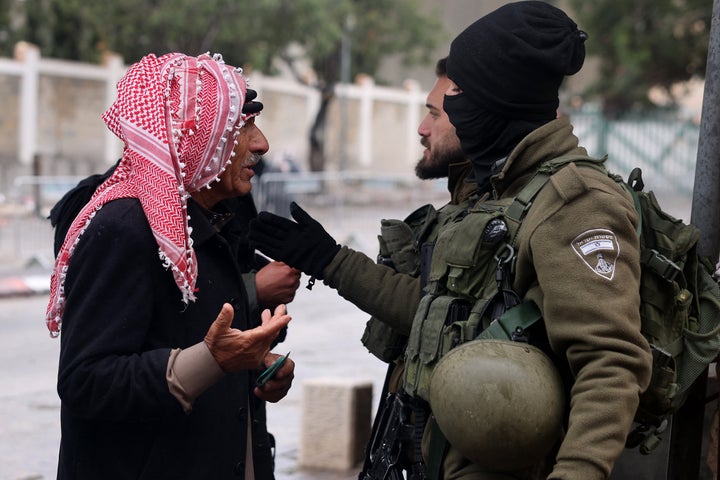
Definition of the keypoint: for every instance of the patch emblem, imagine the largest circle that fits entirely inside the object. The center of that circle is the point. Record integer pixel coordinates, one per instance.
(599, 249)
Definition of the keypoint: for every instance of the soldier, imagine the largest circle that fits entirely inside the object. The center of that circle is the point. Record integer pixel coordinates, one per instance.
(351, 272)
(401, 247)
(556, 399)
(401, 241)
(506, 70)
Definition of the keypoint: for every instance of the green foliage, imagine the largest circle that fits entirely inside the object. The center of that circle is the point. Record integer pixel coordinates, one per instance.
(388, 26)
(642, 44)
(7, 35)
(247, 32)
(63, 29)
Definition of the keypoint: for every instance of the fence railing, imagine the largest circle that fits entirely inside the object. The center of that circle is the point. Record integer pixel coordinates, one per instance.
(665, 148)
(349, 205)
(53, 109)
(375, 141)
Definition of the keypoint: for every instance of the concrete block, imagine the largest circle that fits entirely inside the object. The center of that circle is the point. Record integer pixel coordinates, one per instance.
(334, 423)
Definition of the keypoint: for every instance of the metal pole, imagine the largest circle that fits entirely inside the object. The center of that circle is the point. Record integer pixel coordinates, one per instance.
(706, 193)
(37, 189)
(345, 65)
(687, 426)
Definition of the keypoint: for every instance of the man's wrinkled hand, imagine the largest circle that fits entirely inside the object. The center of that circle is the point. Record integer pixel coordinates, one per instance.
(237, 350)
(278, 386)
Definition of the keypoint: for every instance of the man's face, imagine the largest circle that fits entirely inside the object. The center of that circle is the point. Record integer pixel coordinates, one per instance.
(442, 147)
(250, 145)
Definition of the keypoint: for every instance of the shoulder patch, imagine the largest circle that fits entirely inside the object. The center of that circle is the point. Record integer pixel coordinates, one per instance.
(598, 249)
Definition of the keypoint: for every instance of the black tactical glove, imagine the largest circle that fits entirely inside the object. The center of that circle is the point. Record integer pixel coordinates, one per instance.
(304, 245)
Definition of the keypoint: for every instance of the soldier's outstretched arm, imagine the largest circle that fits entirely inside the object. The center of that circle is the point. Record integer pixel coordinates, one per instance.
(304, 244)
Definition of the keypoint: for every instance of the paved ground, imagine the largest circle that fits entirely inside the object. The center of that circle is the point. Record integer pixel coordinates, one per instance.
(323, 338)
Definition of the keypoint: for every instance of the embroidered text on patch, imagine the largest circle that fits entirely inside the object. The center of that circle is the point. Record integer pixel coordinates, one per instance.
(599, 249)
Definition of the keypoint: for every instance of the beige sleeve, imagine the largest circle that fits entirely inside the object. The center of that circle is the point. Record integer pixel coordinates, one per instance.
(190, 372)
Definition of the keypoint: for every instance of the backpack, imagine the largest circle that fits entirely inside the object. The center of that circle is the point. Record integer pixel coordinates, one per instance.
(679, 309)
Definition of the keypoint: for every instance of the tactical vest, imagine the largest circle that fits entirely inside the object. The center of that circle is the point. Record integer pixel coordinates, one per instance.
(402, 243)
(470, 281)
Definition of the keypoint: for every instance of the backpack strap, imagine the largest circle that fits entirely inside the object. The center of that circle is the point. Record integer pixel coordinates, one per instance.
(651, 258)
(523, 201)
(512, 324)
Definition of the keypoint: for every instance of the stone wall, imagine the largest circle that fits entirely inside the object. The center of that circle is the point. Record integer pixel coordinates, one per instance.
(60, 132)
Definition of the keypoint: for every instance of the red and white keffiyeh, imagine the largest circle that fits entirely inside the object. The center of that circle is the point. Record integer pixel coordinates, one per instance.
(179, 117)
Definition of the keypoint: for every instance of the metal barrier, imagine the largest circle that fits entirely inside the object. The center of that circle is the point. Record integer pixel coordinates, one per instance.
(26, 236)
(663, 146)
(349, 205)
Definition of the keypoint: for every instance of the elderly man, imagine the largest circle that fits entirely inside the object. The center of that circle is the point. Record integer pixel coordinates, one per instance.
(159, 353)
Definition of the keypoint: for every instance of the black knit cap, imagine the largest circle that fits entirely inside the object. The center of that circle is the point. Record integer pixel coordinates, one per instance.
(513, 60)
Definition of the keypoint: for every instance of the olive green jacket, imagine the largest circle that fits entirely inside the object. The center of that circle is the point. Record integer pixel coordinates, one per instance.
(592, 318)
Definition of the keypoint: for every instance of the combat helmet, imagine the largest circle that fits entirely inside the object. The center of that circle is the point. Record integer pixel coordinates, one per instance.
(500, 403)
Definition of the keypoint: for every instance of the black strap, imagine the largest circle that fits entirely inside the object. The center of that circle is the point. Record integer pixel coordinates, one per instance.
(367, 463)
(420, 412)
(437, 450)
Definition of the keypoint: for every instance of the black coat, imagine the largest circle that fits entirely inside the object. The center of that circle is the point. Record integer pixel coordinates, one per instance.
(123, 315)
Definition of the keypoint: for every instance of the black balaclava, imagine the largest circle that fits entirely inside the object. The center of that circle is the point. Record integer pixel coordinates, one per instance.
(509, 65)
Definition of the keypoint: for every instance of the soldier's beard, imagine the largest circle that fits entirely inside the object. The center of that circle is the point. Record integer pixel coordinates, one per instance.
(436, 164)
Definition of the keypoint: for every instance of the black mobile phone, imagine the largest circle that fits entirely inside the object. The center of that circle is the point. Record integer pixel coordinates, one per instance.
(271, 370)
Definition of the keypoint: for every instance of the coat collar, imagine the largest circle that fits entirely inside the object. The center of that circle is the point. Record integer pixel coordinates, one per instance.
(552, 140)
(460, 182)
(202, 227)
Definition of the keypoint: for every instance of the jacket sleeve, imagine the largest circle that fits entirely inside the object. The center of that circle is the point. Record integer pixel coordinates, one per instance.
(591, 310)
(108, 370)
(376, 289)
(249, 284)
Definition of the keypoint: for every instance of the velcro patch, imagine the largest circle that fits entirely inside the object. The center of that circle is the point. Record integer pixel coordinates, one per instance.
(598, 249)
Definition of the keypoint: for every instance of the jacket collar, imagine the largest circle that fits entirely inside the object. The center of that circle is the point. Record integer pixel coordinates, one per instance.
(202, 228)
(460, 182)
(552, 140)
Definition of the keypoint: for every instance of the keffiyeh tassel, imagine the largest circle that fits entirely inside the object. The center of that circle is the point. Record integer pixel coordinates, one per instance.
(179, 117)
